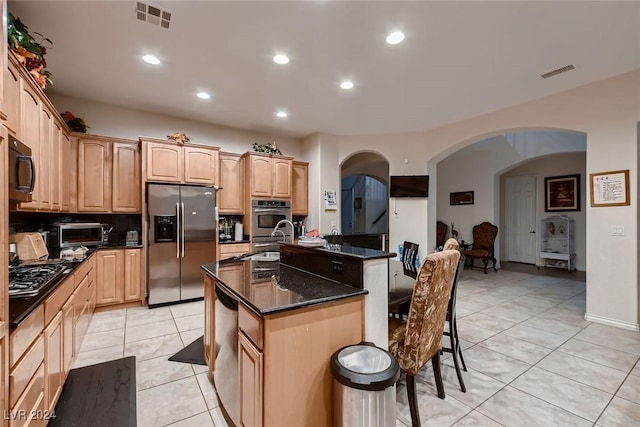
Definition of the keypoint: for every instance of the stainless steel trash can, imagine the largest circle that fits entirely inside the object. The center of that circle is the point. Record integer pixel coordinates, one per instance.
(364, 386)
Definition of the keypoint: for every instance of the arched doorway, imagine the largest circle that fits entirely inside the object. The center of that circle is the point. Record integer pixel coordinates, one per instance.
(364, 194)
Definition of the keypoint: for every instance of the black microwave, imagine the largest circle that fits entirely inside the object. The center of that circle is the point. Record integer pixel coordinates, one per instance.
(22, 173)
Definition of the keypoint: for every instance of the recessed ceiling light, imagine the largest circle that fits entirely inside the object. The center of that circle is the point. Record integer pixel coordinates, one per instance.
(281, 59)
(203, 95)
(346, 85)
(281, 114)
(150, 59)
(395, 37)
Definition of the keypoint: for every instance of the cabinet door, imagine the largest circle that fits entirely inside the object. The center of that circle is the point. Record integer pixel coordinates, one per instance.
(30, 134)
(209, 322)
(4, 373)
(126, 188)
(67, 335)
(55, 172)
(260, 176)
(65, 171)
(11, 106)
(300, 198)
(94, 176)
(200, 165)
(53, 368)
(164, 162)
(250, 367)
(132, 274)
(110, 279)
(231, 196)
(45, 165)
(281, 169)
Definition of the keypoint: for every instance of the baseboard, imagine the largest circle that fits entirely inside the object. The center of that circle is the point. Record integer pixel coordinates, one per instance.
(612, 322)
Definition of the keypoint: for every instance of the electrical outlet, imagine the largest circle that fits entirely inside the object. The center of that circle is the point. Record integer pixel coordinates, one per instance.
(334, 223)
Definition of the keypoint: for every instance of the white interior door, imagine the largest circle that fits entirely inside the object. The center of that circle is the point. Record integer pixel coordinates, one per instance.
(520, 212)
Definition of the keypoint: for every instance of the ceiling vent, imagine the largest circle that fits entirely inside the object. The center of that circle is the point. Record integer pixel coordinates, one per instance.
(153, 15)
(558, 71)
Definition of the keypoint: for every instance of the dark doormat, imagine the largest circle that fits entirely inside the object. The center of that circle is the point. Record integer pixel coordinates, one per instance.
(99, 395)
(193, 353)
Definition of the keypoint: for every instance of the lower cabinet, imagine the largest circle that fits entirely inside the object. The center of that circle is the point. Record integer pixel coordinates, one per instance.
(209, 319)
(230, 250)
(67, 335)
(119, 278)
(54, 369)
(250, 370)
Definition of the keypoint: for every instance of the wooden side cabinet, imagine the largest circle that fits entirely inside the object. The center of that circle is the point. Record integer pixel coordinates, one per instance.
(300, 196)
(268, 176)
(133, 274)
(94, 176)
(126, 195)
(110, 277)
(250, 366)
(209, 322)
(231, 196)
(200, 165)
(165, 162)
(53, 363)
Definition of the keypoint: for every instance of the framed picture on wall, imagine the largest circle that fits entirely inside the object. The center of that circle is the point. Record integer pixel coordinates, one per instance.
(461, 198)
(562, 193)
(610, 188)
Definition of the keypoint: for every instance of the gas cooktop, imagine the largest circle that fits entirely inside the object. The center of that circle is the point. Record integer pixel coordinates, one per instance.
(26, 280)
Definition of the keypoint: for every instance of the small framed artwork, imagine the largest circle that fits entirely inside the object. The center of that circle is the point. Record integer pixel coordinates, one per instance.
(562, 193)
(610, 188)
(461, 198)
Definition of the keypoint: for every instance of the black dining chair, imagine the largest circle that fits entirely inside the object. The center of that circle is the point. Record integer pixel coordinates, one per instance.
(400, 299)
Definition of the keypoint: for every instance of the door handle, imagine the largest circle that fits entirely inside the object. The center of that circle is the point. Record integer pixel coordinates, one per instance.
(533, 232)
(182, 218)
(178, 230)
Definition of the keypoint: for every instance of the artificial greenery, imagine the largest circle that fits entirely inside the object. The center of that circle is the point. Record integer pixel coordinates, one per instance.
(29, 51)
(266, 148)
(76, 124)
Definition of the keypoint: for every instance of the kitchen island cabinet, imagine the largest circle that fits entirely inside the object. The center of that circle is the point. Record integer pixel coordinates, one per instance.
(284, 339)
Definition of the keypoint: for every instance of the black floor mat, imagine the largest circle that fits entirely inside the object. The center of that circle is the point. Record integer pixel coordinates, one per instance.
(193, 353)
(99, 395)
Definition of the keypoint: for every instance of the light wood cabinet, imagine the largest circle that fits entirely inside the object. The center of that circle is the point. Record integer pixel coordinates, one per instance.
(65, 175)
(56, 171)
(94, 176)
(67, 335)
(229, 250)
(4, 373)
(4, 285)
(133, 275)
(268, 176)
(53, 363)
(11, 106)
(300, 197)
(186, 164)
(209, 322)
(231, 195)
(119, 276)
(126, 178)
(110, 276)
(47, 159)
(251, 374)
(29, 120)
(108, 177)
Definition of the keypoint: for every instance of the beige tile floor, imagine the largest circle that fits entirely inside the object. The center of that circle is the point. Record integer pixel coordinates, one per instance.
(533, 360)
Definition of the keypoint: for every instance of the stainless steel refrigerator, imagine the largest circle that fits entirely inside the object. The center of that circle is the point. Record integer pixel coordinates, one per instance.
(181, 237)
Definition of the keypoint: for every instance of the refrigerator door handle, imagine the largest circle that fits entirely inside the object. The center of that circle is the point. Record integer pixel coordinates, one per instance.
(182, 219)
(179, 231)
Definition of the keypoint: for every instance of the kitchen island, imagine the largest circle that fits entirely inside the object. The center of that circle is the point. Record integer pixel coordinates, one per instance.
(270, 330)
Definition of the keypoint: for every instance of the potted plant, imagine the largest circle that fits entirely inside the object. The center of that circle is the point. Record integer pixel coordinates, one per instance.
(29, 51)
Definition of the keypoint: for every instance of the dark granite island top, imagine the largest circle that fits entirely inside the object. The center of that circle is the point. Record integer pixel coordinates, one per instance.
(364, 254)
(288, 288)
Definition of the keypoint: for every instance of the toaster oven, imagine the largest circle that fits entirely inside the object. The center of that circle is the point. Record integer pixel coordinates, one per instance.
(71, 234)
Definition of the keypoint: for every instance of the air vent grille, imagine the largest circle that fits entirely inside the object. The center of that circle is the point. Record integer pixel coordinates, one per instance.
(153, 15)
(558, 71)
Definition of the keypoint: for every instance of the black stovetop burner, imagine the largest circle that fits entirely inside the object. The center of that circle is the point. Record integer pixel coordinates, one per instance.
(27, 279)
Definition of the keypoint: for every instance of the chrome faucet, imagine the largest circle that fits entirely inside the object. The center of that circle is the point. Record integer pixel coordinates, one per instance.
(275, 229)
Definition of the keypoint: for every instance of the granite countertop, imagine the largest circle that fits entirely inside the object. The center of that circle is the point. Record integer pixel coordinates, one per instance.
(230, 242)
(286, 288)
(364, 254)
(21, 307)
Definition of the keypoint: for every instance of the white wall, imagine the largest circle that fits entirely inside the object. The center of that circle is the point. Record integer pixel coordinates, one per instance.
(607, 111)
(556, 165)
(120, 122)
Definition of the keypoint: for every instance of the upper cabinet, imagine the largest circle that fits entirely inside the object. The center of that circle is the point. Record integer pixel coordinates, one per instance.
(300, 199)
(268, 176)
(108, 175)
(231, 194)
(187, 164)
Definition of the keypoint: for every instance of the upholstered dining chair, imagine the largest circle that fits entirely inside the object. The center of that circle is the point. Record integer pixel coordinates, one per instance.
(441, 233)
(418, 339)
(484, 237)
(452, 323)
(400, 299)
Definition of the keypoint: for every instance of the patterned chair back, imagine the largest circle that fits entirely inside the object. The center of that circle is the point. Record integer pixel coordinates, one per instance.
(484, 236)
(441, 233)
(425, 324)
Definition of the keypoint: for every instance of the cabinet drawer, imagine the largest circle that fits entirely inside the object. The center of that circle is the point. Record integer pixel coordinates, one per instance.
(235, 248)
(25, 334)
(87, 267)
(31, 400)
(22, 373)
(55, 301)
(251, 325)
